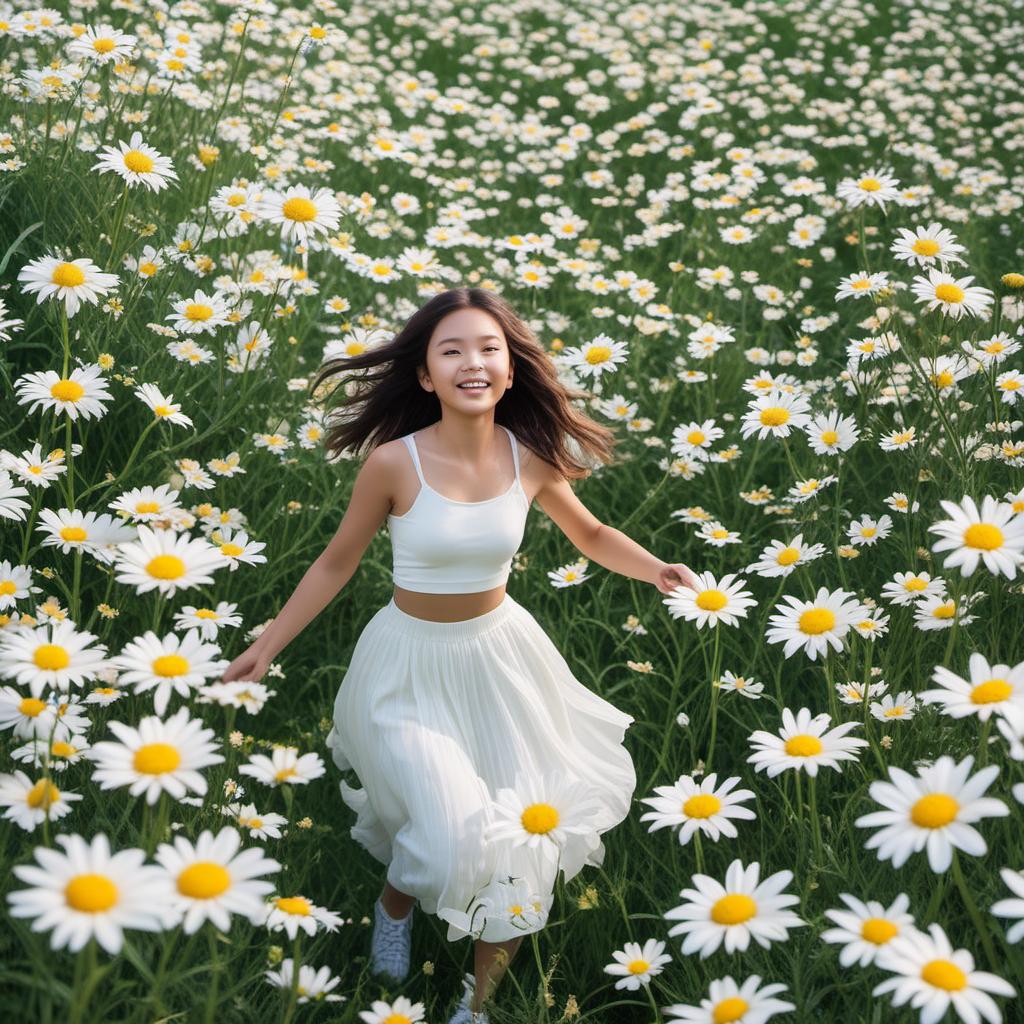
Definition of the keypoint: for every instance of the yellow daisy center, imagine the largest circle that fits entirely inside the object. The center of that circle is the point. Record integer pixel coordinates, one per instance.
(166, 567)
(915, 583)
(774, 416)
(992, 691)
(711, 600)
(170, 665)
(735, 908)
(925, 247)
(299, 209)
(803, 745)
(702, 805)
(787, 556)
(815, 621)
(829, 437)
(196, 311)
(878, 930)
(293, 905)
(203, 880)
(51, 657)
(638, 966)
(869, 184)
(934, 811)
(43, 794)
(696, 437)
(598, 354)
(949, 293)
(944, 974)
(984, 536)
(729, 1010)
(945, 611)
(68, 275)
(539, 818)
(67, 390)
(62, 749)
(156, 759)
(90, 894)
(103, 45)
(138, 162)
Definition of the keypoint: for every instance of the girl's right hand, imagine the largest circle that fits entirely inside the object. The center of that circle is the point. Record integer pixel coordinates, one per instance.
(251, 665)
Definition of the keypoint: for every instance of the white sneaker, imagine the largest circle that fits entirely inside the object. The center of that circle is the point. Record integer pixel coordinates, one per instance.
(391, 943)
(463, 1014)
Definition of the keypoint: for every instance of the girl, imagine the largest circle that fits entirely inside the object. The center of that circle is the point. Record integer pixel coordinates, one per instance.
(485, 765)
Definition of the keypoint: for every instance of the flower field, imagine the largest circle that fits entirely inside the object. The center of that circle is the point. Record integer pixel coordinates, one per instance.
(779, 245)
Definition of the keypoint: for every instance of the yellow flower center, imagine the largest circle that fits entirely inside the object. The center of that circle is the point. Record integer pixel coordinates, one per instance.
(156, 759)
(984, 536)
(992, 691)
(925, 247)
(803, 745)
(945, 611)
(51, 657)
(90, 894)
(815, 621)
(148, 268)
(43, 794)
(138, 162)
(299, 209)
(896, 711)
(285, 773)
(166, 567)
(396, 1018)
(695, 437)
(293, 905)
(67, 275)
(774, 416)
(915, 583)
(638, 966)
(711, 600)
(869, 184)
(702, 805)
(67, 390)
(934, 811)
(598, 354)
(196, 311)
(787, 556)
(62, 749)
(949, 293)
(539, 818)
(729, 1010)
(878, 930)
(734, 908)
(203, 880)
(944, 974)
(103, 45)
(829, 437)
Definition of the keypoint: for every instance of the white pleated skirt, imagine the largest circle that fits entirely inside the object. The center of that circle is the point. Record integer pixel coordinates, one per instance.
(435, 718)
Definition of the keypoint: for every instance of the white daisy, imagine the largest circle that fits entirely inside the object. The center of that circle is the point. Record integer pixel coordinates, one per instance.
(156, 757)
(729, 1003)
(80, 394)
(865, 928)
(994, 535)
(712, 601)
(167, 561)
(102, 44)
(53, 755)
(925, 247)
(832, 433)
(853, 693)
(775, 414)
(1014, 881)
(635, 965)
(741, 684)
(952, 296)
(259, 826)
(873, 188)
(313, 984)
(199, 313)
(698, 806)
(909, 587)
(899, 502)
(941, 612)
(29, 802)
(932, 810)
(861, 284)
(53, 656)
(899, 708)
(401, 1011)
(804, 490)
(717, 535)
(992, 688)
(33, 717)
(284, 767)
(301, 214)
(814, 625)
(868, 531)
(290, 913)
(694, 439)
(213, 880)
(933, 977)
(780, 558)
(804, 744)
(735, 912)
(71, 282)
(136, 163)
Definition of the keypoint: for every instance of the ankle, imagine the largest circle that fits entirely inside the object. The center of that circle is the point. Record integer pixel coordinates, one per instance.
(395, 917)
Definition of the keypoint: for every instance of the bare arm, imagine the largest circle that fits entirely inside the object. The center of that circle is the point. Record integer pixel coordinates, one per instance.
(336, 565)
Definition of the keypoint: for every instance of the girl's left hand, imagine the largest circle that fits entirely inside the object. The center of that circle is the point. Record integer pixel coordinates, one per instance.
(674, 574)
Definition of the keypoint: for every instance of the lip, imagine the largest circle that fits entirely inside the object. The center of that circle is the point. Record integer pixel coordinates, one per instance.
(475, 381)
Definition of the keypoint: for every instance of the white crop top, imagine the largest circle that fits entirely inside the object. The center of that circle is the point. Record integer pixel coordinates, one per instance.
(442, 546)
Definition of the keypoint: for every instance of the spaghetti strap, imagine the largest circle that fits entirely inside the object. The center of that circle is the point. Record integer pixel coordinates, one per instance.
(410, 443)
(515, 448)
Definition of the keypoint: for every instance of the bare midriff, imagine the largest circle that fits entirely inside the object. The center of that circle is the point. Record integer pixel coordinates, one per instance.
(447, 607)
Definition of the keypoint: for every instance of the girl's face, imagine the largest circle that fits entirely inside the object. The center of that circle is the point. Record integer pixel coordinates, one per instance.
(467, 345)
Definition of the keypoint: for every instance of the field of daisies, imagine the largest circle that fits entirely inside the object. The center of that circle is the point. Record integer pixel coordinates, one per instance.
(781, 247)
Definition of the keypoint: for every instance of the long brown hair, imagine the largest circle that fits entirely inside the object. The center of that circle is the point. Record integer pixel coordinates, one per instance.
(388, 401)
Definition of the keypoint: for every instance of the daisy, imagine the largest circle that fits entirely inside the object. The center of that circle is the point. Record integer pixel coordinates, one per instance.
(156, 757)
(780, 558)
(570, 575)
(555, 813)
(933, 977)
(899, 502)
(635, 965)
(164, 408)
(53, 656)
(933, 810)
(908, 587)
(992, 689)
(952, 296)
(694, 439)
(284, 766)
(861, 283)
(729, 1003)
(741, 684)
(81, 393)
(199, 313)
(853, 693)
(102, 44)
(259, 826)
(401, 1011)
(872, 626)
(802, 743)
(166, 561)
(173, 664)
(300, 213)
(898, 439)
(943, 372)
(874, 188)
(32, 717)
(868, 531)
(29, 803)
(55, 755)
(291, 913)
(711, 601)
(889, 708)
(71, 282)
(923, 247)
(1014, 881)
(313, 984)
(213, 880)
(239, 694)
(831, 434)
(776, 414)
(137, 163)
(592, 359)
(698, 806)
(85, 892)
(941, 612)
(995, 534)
(69, 530)
(814, 625)
(865, 928)
(804, 490)
(1010, 383)
(735, 912)
(717, 535)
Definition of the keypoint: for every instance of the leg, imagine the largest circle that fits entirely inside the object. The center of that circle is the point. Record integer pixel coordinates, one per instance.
(396, 903)
(491, 960)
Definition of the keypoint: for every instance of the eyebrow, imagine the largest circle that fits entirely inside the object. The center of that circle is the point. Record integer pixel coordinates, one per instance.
(483, 337)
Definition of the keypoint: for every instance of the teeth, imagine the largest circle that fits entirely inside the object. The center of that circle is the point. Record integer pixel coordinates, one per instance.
(475, 386)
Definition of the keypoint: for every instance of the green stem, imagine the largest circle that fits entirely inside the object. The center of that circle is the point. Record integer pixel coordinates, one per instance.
(715, 667)
(211, 995)
(293, 995)
(972, 909)
(812, 783)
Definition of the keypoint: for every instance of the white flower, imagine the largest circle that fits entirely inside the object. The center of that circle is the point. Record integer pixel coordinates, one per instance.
(803, 743)
(925, 246)
(313, 984)
(71, 282)
(995, 535)
(698, 806)
(899, 708)
(635, 965)
(775, 413)
(993, 688)
(291, 913)
(712, 601)
(814, 625)
(874, 188)
(729, 1002)
(866, 928)
(29, 803)
(1012, 907)
(284, 766)
(952, 296)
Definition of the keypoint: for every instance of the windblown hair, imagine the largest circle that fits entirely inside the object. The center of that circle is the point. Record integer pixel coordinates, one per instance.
(386, 400)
